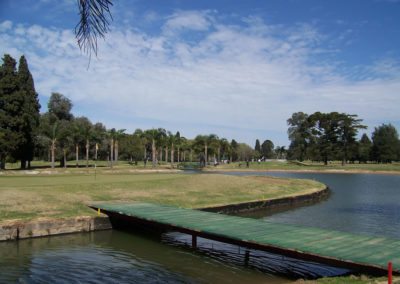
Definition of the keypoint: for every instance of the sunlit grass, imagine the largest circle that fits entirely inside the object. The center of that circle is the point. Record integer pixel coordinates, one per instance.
(24, 196)
(309, 166)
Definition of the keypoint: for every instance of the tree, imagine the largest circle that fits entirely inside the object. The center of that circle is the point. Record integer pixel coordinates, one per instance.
(348, 126)
(56, 132)
(29, 115)
(226, 149)
(299, 135)
(234, 148)
(245, 152)
(117, 136)
(11, 106)
(385, 144)
(60, 106)
(215, 146)
(267, 149)
(364, 149)
(133, 146)
(153, 135)
(257, 147)
(280, 152)
(172, 142)
(325, 127)
(82, 134)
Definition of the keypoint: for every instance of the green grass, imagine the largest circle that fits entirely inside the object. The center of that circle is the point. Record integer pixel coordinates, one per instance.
(310, 166)
(66, 194)
(352, 280)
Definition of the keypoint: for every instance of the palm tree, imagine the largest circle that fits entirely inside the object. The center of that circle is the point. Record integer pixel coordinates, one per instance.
(178, 144)
(215, 145)
(185, 146)
(152, 135)
(82, 133)
(172, 142)
(117, 136)
(161, 141)
(225, 148)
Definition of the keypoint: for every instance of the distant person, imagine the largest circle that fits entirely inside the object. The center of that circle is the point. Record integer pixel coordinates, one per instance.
(247, 163)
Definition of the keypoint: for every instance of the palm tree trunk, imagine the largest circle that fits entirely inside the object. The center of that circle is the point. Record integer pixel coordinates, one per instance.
(205, 153)
(95, 151)
(172, 155)
(53, 149)
(153, 150)
(87, 153)
(166, 154)
(77, 155)
(161, 152)
(116, 151)
(219, 154)
(111, 152)
(178, 155)
(191, 155)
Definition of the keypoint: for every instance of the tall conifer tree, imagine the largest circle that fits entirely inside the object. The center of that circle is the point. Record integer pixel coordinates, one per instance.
(30, 113)
(10, 109)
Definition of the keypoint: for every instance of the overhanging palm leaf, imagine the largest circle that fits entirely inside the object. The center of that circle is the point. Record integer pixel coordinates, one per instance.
(94, 22)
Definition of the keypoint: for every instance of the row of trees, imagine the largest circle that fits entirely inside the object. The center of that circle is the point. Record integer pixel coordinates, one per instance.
(266, 150)
(57, 135)
(26, 134)
(333, 136)
(61, 136)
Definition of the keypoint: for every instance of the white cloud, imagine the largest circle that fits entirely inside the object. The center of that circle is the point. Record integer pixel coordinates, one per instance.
(187, 20)
(240, 82)
(6, 25)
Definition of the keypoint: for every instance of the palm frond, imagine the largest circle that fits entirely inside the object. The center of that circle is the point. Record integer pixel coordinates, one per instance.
(94, 23)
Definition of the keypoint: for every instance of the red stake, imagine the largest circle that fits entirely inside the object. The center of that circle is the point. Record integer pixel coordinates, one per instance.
(390, 268)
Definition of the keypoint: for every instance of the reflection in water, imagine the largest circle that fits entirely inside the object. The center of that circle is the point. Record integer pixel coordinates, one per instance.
(258, 260)
(115, 257)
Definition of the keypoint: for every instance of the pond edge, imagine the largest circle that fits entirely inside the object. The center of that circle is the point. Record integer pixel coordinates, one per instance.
(43, 227)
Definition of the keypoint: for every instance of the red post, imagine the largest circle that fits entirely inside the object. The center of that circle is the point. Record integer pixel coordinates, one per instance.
(390, 269)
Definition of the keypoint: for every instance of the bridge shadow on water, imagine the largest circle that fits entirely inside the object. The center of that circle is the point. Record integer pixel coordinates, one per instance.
(254, 259)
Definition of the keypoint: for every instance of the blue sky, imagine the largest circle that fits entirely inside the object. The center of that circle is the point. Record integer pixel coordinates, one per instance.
(238, 69)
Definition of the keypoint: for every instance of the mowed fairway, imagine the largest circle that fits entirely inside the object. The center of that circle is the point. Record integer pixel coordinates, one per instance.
(67, 195)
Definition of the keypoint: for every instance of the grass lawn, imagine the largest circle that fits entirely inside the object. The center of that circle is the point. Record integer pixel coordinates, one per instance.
(310, 166)
(26, 196)
(353, 280)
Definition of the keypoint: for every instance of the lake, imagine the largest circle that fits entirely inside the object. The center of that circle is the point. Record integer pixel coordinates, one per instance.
(359, 203)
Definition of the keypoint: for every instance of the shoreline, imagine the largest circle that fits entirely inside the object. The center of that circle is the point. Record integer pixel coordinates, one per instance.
(14, 230)
(325, 171)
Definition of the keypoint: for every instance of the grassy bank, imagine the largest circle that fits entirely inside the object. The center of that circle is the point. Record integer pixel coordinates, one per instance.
(336, 166)
(26, 196)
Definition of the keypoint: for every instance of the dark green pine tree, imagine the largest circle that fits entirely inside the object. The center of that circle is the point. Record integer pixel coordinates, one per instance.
(30, 114)
(11, 104)
(257, 146)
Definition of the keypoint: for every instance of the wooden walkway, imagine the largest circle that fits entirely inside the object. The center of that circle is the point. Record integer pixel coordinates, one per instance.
(363, 253)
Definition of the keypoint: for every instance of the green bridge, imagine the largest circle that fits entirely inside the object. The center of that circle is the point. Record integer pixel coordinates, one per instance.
(362, 253)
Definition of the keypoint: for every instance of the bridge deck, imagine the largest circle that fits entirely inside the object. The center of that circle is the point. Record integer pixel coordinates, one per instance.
(365, 253)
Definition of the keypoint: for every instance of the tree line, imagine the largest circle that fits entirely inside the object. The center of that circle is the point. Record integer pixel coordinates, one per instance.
(58, 136)
(333, 136)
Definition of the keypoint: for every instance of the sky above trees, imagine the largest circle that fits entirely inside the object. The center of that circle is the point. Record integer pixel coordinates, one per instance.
(236, 68)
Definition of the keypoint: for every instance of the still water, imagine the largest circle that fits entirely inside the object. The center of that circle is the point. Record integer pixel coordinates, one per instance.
(359, 203)
(367, 204)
